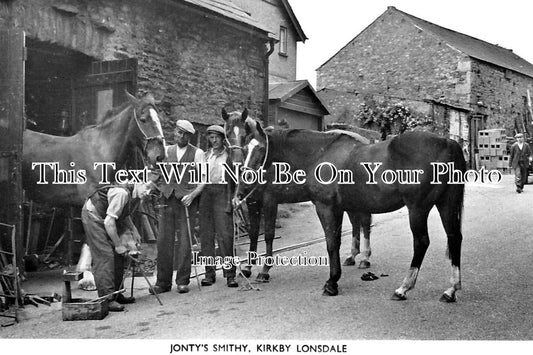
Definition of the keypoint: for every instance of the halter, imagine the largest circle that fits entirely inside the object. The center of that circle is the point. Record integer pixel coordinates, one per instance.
(231, 146)
(260, 167)
(145, 136)
(228, 144)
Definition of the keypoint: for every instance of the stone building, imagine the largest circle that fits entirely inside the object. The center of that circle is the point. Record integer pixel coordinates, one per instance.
(461, 83)
(292, 103)
(195, 56)
(64, 63)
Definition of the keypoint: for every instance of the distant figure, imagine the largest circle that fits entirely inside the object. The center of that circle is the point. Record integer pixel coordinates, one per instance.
(519, 161)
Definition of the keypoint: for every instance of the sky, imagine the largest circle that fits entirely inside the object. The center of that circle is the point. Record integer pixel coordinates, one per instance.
(331, 24)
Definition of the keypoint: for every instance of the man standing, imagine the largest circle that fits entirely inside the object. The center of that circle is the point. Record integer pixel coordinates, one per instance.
(177, 196)
(519, 161)
(110, 233)
(216, 209)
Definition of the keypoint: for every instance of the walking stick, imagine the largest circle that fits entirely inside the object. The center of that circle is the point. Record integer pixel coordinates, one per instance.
(190, 243)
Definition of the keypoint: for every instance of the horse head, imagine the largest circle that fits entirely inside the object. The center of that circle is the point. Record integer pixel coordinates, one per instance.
(246, 137)
(235, 128)
(149, 133)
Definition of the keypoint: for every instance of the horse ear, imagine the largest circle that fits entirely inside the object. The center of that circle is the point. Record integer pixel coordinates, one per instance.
(225, 115)
(244, 114)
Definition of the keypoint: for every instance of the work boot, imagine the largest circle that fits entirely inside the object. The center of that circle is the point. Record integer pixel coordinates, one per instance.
(124, 299)
(183, 289)
(159, 289)
(114, 306)
(208, 281)
(231, 282)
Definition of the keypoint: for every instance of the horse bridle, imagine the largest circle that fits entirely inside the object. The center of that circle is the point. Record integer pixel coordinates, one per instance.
(145, 136)
(260, 167)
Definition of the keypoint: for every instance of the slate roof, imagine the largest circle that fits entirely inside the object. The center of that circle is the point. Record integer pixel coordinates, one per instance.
(470, 46)
(229, 10)
(475, 48)
(284, 90)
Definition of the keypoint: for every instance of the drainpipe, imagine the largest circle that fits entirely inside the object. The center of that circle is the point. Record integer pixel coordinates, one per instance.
(271, 42)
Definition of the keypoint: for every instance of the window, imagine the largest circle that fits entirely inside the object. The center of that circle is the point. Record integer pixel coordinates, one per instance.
(283, 40)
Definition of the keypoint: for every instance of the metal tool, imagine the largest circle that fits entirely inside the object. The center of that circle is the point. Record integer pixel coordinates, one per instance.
(134, 260)
(190, 243)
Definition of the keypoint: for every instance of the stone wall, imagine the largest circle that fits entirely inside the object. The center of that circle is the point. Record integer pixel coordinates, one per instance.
(396, 59)
(193, 63)
(392, 57)
(502, 96)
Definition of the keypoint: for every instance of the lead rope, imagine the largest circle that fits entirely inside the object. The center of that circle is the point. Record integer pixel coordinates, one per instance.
(237, 222)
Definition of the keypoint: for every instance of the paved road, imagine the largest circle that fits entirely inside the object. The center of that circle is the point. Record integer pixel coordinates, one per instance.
(496, 302)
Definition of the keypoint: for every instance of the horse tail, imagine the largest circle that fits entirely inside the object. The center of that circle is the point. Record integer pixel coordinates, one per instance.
(454, 201)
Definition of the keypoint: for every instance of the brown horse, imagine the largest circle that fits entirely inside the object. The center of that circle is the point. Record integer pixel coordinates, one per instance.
(265, 198)
(377, 178)
(74, 177)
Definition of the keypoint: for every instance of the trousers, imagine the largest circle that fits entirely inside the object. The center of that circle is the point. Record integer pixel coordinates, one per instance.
(216, 222)
(173, 230)
(107, 266)
(520, 173)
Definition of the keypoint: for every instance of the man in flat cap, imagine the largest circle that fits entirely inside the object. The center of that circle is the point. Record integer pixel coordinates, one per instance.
(176, 197)
(519, 161)
(216, 208)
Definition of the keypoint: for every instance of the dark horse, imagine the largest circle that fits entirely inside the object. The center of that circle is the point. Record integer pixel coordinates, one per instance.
(371, 188)
(266, 197)
(133, 124)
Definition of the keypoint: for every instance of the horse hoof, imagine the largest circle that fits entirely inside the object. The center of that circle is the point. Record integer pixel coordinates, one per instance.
(364, 264)
(330, 290)
(448, 299)
(398, 297)
(246, 272)
(350, 261)
(262, 277)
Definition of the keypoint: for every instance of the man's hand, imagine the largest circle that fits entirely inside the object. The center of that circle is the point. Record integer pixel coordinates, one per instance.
(236, 202)
(187, 200)
(121, 250)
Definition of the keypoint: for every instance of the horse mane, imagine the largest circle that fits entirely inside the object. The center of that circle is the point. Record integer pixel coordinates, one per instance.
(107, 118)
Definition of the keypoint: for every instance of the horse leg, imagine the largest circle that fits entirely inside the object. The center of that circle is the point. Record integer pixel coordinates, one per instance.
(355, 250)
(331, 220)
(419, 228)
(366, 221)
(254, 214)
(450, 214)
(270, 211)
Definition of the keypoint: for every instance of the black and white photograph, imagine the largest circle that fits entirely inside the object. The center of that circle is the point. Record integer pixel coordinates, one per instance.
(266, 176)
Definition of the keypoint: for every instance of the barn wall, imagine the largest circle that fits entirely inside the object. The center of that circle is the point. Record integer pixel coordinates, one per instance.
(502, 95)
(195, 65)
(392, 60)
(393, 57)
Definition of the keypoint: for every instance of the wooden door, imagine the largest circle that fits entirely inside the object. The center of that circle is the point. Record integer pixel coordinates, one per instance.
(12, 56)
(100, 89)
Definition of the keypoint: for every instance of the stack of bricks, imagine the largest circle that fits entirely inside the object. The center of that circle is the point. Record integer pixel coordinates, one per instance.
(492, 145)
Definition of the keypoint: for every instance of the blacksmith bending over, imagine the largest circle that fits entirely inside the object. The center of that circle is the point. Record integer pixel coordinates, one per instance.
(111, 234)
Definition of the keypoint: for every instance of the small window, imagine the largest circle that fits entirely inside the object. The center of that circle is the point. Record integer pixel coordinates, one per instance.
(283, 40)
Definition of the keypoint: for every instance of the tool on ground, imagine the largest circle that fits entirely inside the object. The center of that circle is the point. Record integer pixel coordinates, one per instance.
(134, 260)
(190, 242)
(106, 296)
(11, 288)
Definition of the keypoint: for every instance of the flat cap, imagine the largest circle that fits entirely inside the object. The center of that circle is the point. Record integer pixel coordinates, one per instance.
(185, 125)
(215, 129)
(519, 135)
